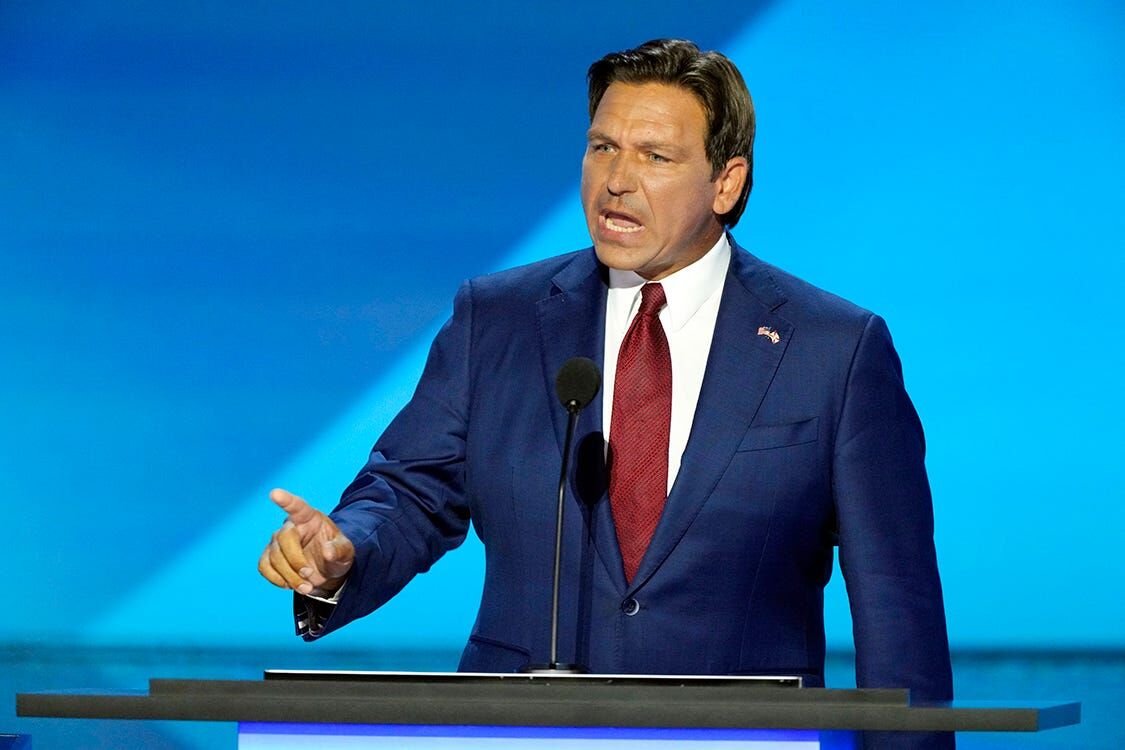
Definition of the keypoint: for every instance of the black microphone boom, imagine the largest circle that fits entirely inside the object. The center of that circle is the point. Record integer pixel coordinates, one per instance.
(576, 384)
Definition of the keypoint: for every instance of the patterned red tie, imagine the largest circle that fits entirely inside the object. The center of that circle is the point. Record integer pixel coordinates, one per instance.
(638, 433)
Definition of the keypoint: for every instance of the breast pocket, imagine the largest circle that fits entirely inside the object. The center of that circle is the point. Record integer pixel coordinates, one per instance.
(768, 436)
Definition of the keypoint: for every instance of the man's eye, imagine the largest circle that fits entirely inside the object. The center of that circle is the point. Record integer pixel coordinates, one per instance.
(657, 158)
(600, 148)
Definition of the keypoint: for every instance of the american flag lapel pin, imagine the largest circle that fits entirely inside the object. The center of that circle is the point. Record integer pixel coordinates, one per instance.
(769, 333)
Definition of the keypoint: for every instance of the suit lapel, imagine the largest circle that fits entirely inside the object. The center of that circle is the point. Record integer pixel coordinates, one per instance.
(740, 368)
(571, 321)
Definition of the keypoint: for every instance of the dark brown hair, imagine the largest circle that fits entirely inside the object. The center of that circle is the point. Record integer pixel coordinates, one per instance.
(710, 77)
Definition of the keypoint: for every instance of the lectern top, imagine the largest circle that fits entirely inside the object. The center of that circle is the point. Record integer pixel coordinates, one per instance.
(783, 681)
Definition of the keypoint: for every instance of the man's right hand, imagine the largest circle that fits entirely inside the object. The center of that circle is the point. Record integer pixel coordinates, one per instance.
(308, 554)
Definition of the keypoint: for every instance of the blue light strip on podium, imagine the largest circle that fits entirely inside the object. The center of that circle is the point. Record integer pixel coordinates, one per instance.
(278, 736)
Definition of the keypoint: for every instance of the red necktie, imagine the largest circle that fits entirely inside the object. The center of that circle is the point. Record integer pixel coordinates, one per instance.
(638, 433)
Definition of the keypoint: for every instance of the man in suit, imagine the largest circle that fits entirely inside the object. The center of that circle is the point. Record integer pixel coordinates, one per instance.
(748, 423)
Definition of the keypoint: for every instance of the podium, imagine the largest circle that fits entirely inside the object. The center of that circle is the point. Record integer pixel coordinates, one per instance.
(441, 710)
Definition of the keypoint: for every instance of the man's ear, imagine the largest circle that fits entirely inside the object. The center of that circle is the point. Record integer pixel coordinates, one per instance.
(729, 182)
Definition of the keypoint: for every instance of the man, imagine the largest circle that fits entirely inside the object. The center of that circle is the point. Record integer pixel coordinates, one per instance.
(748, 422)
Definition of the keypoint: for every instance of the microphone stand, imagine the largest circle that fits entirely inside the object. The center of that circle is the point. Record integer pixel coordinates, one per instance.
(573, 408)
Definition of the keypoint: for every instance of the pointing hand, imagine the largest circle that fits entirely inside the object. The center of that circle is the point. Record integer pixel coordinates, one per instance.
(308, 554)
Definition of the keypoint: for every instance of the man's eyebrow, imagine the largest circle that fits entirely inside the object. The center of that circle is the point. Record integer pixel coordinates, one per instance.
(597, 135)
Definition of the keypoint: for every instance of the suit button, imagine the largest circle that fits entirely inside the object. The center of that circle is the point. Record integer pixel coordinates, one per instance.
(630, 607)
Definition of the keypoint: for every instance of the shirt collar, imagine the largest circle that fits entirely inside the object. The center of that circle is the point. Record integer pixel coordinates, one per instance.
(686, 290)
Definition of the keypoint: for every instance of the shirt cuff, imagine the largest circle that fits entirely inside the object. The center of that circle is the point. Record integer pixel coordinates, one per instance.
(334, 599)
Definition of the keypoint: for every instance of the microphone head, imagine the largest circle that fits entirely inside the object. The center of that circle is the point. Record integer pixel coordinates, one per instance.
(577, 383)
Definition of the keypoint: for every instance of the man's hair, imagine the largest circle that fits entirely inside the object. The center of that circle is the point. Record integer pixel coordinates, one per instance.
(716, 84)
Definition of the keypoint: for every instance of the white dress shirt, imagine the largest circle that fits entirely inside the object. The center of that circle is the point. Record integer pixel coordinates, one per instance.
(693, 294)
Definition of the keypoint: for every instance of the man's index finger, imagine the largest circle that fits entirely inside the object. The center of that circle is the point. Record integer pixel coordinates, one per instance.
(297, 509)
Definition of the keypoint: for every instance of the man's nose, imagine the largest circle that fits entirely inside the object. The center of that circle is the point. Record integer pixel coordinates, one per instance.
(621, 178)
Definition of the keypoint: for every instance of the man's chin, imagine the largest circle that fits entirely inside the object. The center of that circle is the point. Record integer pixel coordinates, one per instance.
(621, 258)
(637, 263)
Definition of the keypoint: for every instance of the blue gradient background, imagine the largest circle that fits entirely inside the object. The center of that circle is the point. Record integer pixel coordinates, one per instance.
(228, 233)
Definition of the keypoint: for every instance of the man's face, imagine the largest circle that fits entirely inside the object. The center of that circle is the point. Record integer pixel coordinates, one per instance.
(651, 205)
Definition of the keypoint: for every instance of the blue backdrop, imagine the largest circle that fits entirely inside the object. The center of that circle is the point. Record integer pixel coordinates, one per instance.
(228, 232)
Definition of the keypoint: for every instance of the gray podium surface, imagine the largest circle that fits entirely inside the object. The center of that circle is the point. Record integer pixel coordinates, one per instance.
(522, 700)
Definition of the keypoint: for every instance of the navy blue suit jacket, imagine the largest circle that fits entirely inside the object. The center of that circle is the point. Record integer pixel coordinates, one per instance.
(798, 444)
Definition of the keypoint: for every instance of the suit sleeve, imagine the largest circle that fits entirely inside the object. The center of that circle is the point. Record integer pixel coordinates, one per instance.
(407, 506)
(886, 528)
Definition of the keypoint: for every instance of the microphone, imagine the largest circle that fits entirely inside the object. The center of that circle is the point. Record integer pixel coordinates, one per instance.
(576, 384)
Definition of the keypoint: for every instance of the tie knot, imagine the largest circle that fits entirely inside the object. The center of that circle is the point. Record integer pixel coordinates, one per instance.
(652, 299)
